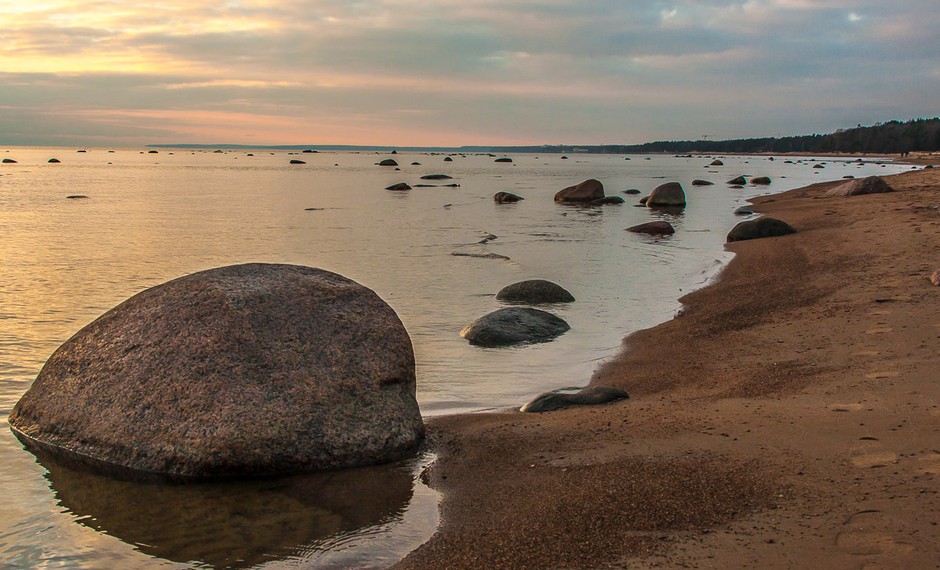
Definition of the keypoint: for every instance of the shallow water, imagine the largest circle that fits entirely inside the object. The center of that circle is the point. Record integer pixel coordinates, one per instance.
(152, 217)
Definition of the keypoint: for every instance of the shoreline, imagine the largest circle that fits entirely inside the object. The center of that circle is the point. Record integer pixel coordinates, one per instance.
(791, 401)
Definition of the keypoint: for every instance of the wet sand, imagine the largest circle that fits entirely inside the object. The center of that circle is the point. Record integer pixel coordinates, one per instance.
(790, 416)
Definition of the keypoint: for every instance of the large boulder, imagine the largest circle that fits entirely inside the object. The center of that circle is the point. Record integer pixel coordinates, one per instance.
(514, 325)
(534, 291)
(668, 195)
(587, 191)
(245, 370)
(760, 228)
(870, 185)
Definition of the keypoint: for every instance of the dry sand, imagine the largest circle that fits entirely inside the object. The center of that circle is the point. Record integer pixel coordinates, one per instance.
(789, 417)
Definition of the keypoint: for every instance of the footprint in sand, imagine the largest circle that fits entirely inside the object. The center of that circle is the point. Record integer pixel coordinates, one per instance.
(879, 330)
(929, 464)
(885, 374)
(866, 353)
(846, 407)
(876, 459)
(872, 533)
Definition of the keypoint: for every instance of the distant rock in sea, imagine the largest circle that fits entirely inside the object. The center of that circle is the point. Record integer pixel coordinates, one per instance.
(8, 161)
(586, 191)
(506, 198)
(53, 161)
(388, 162)
(607, 201)
(702, 183)
(399, 186)
(716, 162)
(632, 191)
(481, 255)
(739, 181)
(668, 195)
(448, 159)
(504, 159)
(761, 180)
(436, 177)
(295, 161)
(657, 228)
(744, 211)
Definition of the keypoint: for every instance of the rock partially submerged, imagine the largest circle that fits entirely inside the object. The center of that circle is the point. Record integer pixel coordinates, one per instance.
(607, 201)
(560, 399)
(388, 162)
(869, 185)
(534, 291)
(739, 181)
(436, 177)
(744, 211)
(514, 325)
(399, 186)
(702, 183)
(761, 180)
(503, 159)
(659, 228)
(246, 370)
(760, 228)
(587, 191)
(506, 198)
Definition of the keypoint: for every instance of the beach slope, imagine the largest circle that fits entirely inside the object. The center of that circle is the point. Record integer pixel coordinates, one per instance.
(789, 416)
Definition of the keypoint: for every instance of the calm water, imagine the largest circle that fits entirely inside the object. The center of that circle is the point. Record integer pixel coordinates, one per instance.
(152, 217)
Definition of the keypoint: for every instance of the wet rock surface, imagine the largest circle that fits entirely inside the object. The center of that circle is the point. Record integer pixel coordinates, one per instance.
(565, 398)
(514, 325)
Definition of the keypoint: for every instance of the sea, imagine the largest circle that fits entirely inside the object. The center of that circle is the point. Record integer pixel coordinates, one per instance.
(145, 216)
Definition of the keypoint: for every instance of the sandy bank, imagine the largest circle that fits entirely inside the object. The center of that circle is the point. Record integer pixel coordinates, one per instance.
(790, 416)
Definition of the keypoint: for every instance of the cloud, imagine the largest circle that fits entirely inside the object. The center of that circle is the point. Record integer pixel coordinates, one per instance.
(480, 71)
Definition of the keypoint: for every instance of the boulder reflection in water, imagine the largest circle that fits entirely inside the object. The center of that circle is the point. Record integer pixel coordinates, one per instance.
(235, 524)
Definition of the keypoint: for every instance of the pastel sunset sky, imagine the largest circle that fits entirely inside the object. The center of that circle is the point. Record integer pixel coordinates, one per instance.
(456, 72)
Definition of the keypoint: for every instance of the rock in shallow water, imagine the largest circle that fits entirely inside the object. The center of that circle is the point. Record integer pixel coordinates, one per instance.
(668, 195)
(514, 325)
(534, 291)
(587, 191)
(245, 370)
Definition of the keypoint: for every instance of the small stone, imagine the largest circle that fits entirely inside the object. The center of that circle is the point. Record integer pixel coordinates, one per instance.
(659, 228)
(399, 186)
(506, 198)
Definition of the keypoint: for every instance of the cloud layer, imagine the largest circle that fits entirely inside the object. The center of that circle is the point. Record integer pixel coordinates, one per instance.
(416, 72)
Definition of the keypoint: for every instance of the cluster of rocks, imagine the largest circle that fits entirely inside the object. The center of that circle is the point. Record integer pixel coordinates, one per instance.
(520, 325)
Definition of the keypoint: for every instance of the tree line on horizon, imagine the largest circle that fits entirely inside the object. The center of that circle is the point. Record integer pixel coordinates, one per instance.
(892, 137)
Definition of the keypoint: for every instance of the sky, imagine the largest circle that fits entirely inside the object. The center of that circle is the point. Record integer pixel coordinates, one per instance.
(459, 72)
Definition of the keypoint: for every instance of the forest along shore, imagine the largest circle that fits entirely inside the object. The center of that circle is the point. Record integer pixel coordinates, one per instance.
(790, 415)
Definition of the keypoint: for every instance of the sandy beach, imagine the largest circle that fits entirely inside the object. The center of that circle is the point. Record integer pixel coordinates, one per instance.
(789, 416)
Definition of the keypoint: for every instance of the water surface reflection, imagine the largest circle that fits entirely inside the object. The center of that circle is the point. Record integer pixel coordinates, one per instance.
(329, 518)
